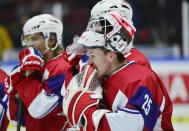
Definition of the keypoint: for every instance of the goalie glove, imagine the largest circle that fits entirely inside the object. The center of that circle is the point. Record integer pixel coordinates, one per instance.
(76, 48)
(31, 60)
(73, 59)
(87, 78)
(84, 106)
(82, 98)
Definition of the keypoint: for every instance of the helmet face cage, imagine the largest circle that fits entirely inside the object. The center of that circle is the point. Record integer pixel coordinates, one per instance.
(100, 25)
(45, 24)
(115, 40)
(118, 31)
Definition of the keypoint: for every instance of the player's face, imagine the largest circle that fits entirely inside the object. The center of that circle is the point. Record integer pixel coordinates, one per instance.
(37, 41)
(100, 60)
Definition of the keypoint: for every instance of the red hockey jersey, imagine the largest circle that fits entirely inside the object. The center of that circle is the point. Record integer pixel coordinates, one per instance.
(137, 100)
(138, 57)
(41, 96)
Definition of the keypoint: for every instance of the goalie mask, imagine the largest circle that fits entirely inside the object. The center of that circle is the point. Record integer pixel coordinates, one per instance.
(119, 6)
(44, 24)
(116, 29)
(91, 39)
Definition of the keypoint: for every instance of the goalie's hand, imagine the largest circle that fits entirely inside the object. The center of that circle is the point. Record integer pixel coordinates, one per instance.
(73, 59)
(31, 60)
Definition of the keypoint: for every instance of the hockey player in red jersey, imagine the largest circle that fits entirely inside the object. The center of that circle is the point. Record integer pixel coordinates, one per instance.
(3, 107)
(42, 71)
(136, 98)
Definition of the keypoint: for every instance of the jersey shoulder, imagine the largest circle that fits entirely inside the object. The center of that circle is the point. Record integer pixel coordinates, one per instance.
(57, 65)
(138, 57)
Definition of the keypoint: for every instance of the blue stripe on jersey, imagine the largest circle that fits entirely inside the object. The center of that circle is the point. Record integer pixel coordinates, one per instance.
(131, 111)
(1, 90)
(15, 67)
(143, 101)
(55, 84)
(2, 95)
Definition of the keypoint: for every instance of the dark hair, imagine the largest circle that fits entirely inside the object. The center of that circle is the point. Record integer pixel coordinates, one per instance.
(120, 57)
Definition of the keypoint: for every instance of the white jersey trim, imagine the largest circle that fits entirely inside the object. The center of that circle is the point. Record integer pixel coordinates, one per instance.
(122, 121)
(47, 104)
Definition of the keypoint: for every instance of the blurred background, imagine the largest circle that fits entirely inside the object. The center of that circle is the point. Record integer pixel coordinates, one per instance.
(162, 34)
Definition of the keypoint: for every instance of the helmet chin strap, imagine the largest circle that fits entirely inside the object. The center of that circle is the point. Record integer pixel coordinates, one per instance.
(47, 36)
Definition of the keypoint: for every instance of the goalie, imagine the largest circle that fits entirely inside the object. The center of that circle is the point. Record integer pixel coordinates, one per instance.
(135, 97)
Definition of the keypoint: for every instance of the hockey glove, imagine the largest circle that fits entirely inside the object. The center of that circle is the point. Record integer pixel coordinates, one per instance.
(82, 99)
(31, 60)
(72, 58)
(83, 105)
(12, 80)
(87, 78)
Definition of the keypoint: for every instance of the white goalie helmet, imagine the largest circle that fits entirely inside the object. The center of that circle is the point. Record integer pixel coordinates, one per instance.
(117, 30)
(88, 38)
(91, 39)
(119, 6)
(46, 24)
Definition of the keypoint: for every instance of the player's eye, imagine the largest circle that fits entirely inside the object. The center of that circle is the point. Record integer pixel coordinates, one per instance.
(36, 38)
